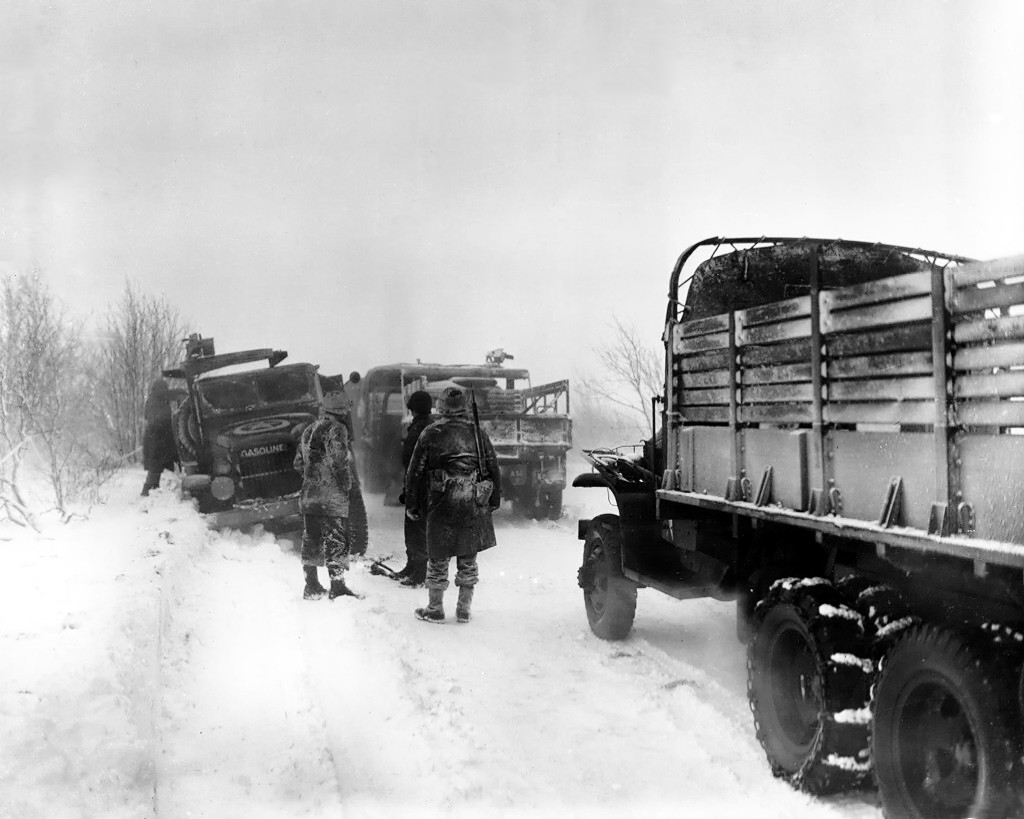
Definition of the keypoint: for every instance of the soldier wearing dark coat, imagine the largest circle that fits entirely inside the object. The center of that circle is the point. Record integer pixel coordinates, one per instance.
(158, 449)
(414, 573)
(322, 458)
(443, 484)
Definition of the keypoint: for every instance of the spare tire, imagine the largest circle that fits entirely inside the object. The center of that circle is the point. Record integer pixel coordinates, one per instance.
(186, 432)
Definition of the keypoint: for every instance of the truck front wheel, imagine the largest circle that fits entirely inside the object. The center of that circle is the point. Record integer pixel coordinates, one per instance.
(807, 682)
(609, 596)
(943, 729)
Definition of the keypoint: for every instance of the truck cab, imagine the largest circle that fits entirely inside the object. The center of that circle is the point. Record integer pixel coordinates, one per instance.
(237, 429)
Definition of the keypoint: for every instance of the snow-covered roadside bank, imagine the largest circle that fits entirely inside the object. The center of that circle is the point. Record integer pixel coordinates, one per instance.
(79, 632)
(263, 704)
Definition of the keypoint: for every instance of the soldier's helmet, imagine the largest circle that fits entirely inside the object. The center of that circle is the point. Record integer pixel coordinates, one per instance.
(336, 403)
(452, 402)
(420, 402)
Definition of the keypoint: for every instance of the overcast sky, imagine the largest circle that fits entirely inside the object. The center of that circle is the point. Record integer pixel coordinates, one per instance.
(366, 182)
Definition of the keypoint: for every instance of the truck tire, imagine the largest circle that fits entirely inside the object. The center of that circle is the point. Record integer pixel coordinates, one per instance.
(608, 595)
(886, 613)
(808, 686)
(942, 740)
(358, 525)
(186, 432)
(553, 504)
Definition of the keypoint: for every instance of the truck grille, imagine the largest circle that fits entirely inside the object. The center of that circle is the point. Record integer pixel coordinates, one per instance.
(269, 475)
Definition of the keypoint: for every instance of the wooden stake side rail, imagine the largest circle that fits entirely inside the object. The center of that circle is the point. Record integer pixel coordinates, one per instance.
(937, 351)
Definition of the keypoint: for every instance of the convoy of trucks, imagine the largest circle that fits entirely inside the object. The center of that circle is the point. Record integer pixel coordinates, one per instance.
(841, 451)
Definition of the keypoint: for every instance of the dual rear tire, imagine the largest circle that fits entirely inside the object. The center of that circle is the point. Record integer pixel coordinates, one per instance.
(935, 719)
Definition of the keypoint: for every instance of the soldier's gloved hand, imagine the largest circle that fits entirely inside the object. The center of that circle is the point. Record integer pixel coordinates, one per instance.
(412, 514)
(401, 498)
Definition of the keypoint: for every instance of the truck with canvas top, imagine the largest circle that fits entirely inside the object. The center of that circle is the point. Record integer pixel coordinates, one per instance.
(237, 430)
(840, 450)
(530, 427)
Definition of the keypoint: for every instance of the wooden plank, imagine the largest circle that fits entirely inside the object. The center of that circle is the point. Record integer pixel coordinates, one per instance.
(771, 354)
(708, 378)
(777, 394)
(704, 415)
(704, 326)
(715, 360)
(974, 299)
(891, 289)
(989, 413)
(890, 364)
(883, 389)
(989, 385)
(768, 333)
(774, 312)
(777, 414)
(989, 357)
(700, 344)
(692, 398)
(776, 375)
(917, 308)
(989, 271)
(893, 412)
(1004, 328)
(889, 340)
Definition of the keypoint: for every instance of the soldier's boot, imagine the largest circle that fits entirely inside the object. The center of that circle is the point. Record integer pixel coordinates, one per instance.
(417, 576)
(313, 590)
(434, 612)
(463, 606)
(403, 573)
(340, 589)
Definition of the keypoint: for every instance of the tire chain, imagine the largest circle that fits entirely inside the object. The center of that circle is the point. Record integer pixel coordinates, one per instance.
(839, 758)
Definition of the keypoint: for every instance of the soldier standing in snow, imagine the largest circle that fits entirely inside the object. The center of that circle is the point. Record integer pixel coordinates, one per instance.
(414, 573)
(358, 531)
(323, 460)
(442, 483)
(158, 449)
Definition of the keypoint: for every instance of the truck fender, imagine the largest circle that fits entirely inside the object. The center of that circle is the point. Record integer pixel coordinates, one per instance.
(592, 479)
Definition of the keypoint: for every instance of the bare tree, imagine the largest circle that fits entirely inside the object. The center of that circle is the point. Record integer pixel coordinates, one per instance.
(143, 335)
(632, 372)
(41, 386)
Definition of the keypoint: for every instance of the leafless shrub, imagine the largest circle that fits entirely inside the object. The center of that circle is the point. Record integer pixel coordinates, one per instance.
(631, 372)
(41, 394)
(143, 334)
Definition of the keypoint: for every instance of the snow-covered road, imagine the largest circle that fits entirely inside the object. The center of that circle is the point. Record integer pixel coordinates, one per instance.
(171, 671)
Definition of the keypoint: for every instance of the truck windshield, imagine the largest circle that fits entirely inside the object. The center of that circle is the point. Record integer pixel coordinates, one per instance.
(264, 387)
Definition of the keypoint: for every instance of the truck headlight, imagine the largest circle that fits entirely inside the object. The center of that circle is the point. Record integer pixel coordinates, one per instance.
(222, 488)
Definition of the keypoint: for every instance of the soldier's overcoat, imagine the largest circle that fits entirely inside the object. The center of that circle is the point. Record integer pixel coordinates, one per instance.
(322, 458)
(439, 483)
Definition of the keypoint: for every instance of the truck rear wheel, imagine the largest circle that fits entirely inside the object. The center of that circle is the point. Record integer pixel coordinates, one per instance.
(553, 504)
(807, 682)
(609, 596)
(942, 741)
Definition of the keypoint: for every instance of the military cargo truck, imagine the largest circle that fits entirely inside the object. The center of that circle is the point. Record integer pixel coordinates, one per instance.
(530, 427)
(237, 430)
(840, 450)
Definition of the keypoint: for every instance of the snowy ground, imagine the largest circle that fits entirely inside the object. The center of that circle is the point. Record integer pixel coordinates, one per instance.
(151, 667)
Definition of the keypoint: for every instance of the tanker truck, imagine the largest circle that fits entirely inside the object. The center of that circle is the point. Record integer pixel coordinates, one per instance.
(840, 451)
